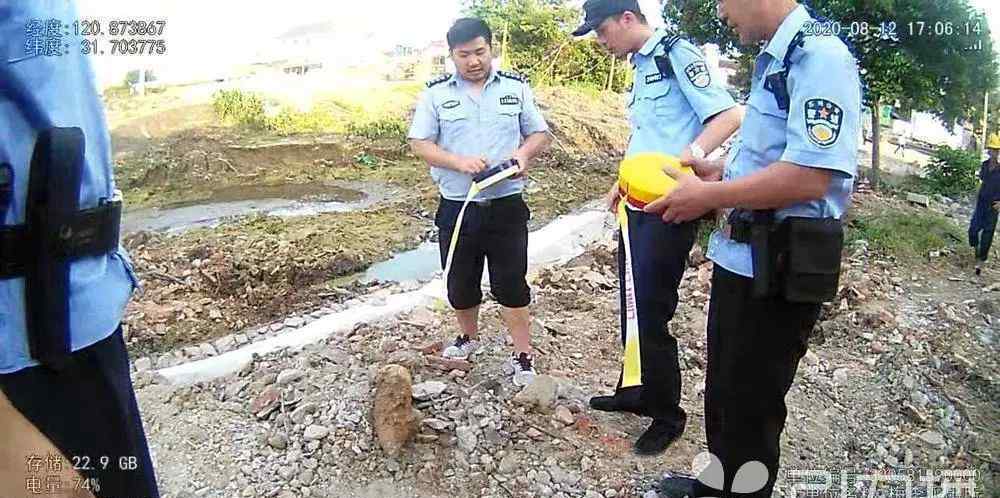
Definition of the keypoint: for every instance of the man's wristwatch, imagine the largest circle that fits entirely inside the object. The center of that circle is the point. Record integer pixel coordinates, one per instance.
(696, 151)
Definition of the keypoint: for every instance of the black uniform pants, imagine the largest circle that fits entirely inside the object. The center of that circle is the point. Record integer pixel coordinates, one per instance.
(493, 232)
(982, 228)
(88, 410)
(754, 348)
(659, 256)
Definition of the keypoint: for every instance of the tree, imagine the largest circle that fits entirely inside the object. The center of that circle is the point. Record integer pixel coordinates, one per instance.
(536, 35)
(932, 55)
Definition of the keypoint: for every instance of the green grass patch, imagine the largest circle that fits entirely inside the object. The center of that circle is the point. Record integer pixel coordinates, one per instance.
(904, 233)
(357, 115)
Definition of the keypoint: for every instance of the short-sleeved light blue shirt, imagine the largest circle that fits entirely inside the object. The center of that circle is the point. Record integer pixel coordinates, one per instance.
(491, 125)
(668, 107)
(819, 129)
(39, 92)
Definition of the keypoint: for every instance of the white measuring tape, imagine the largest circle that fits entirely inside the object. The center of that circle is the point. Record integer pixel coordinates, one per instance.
(632, 361)
(481, 182)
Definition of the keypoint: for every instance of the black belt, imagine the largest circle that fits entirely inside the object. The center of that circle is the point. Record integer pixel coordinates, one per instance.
(489, 202)
(87, 233)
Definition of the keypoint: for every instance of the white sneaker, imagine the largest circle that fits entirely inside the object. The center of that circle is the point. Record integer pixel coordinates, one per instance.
(462, 349)
(523, 369)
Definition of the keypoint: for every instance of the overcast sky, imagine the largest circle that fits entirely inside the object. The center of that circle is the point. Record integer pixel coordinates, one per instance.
(206, 34)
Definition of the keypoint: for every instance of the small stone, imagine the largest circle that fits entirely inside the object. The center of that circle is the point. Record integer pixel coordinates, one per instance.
(286, 472)
(307, 476)
(428, 390)
(431, 347)
(299, 415)
(508, 463)
(534, 434)
(267, 400)
(467, 438)
(448, 364)
(295, 322)
(316, 433)
(288, 376)
(276, 327)
(278, 441)
(563, 476)
(540, 395)
(435, 424)
(427, 473)
(193, 352)
(651, 494)
(932, 438)
(610, 493)
(914, 413)
(143, 364)
(564, 416)
(226, 343)
(840, 376)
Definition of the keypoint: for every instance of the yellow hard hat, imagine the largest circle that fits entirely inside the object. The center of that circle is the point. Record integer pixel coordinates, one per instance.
(994, 141)
(641, 179)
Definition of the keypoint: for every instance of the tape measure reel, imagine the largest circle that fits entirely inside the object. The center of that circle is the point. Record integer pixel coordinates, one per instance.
(641, 179)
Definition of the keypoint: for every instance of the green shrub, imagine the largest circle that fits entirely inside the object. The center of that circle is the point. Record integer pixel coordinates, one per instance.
(951, 172)
(380, 127)
(239, 107)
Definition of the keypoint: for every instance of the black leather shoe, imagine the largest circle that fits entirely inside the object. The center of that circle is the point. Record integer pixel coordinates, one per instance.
(657, 438)
(678, 487)
(611, 404)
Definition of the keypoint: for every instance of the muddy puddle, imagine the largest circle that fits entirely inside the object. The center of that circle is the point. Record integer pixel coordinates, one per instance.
(418, 264)
(243, 200)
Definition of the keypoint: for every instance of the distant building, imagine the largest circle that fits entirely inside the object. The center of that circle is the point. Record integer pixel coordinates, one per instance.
(326, 45)
(410, 63)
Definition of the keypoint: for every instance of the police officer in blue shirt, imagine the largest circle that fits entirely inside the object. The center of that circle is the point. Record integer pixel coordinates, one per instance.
(679, 108)
(463, 124)
(64, 280)
(783, 194)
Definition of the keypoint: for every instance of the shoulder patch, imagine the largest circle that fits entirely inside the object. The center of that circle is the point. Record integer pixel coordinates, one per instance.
(824, 120)
(669, 41)
(513, 76)
(438, 80)
(698, 74)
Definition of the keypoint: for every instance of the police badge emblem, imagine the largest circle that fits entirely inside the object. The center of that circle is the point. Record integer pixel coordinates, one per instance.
(824, 120)
(697, 73)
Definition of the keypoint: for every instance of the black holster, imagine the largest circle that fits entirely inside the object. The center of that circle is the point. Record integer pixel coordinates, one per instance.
(797, 258)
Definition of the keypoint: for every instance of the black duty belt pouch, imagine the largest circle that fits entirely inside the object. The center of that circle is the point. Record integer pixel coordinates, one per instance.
(811, 266)
(765, 249)
(53, 199)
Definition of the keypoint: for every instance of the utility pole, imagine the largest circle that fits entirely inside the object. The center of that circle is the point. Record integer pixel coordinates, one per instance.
(986, 120)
